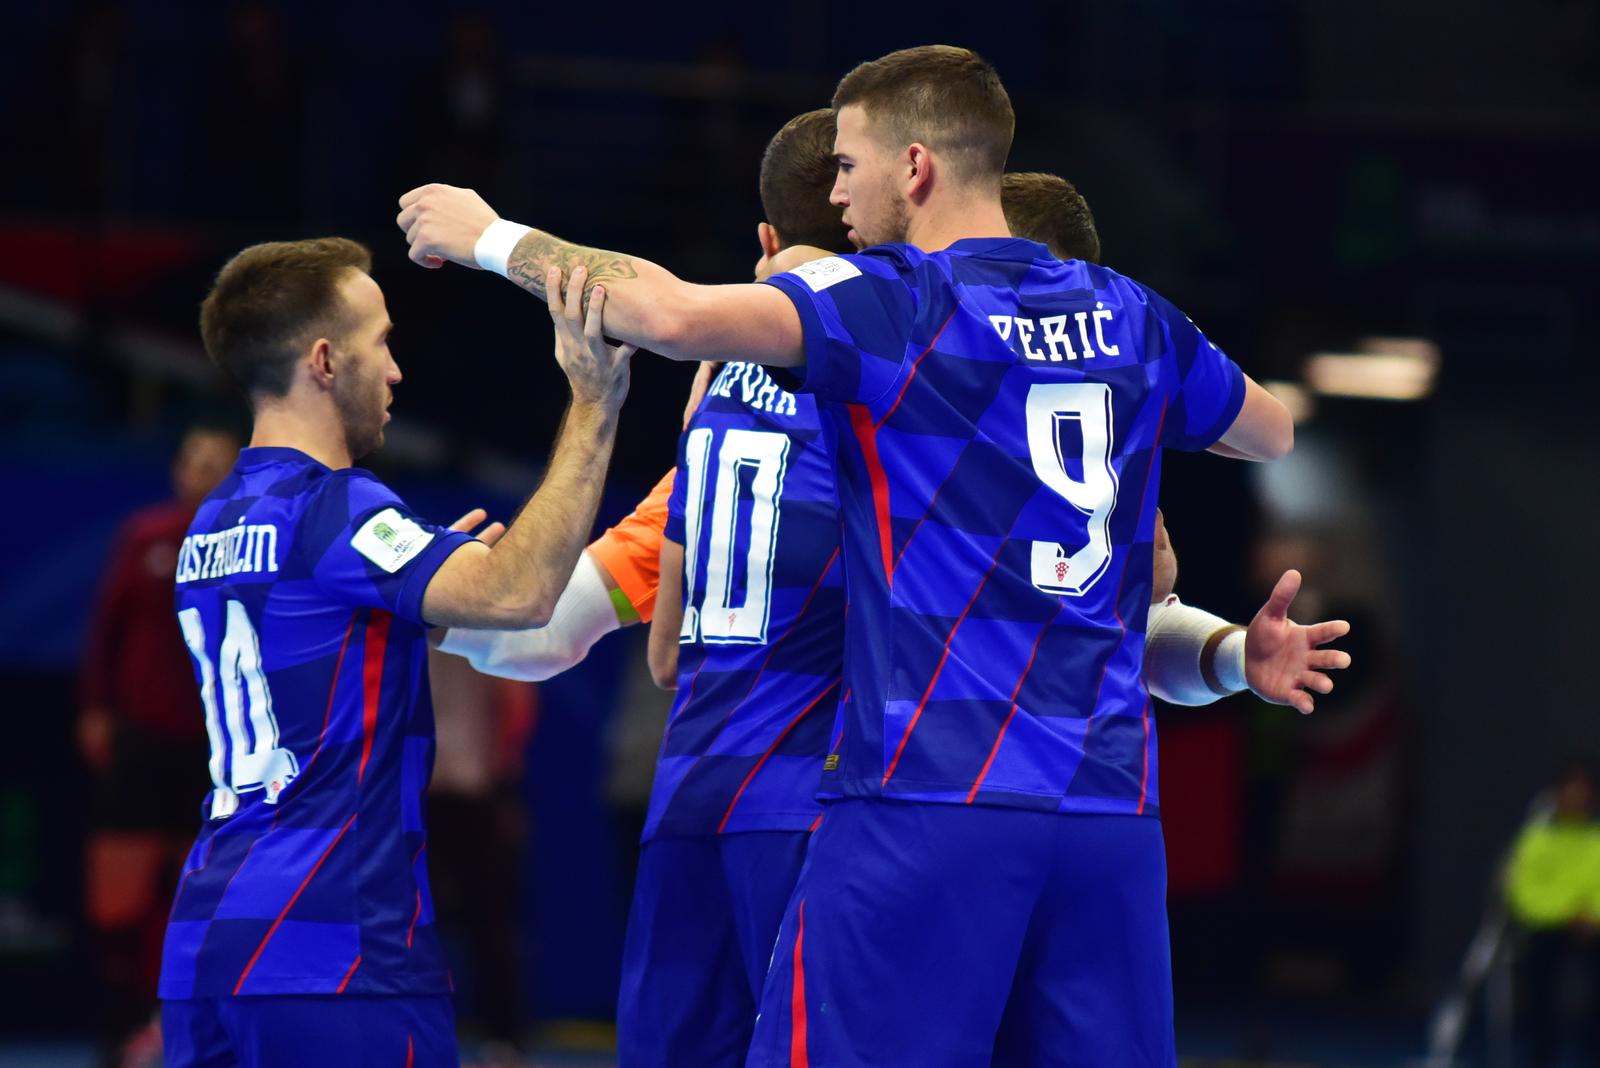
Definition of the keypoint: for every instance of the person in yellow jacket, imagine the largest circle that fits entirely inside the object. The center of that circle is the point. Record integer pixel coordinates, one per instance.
(1553, 891)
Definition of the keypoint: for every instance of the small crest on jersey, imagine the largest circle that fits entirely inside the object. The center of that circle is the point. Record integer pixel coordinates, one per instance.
(389, 539)
(828, 271)
(832, 763)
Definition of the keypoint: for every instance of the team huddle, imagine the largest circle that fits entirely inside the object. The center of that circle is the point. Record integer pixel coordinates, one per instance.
(907, 577)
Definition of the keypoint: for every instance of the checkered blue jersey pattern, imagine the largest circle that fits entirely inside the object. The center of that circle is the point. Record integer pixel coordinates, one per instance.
(1000, 416)
(299, 592)
(760, 650)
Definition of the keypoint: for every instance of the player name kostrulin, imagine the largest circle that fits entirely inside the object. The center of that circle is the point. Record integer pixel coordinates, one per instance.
(1055, 337)
(241, 549)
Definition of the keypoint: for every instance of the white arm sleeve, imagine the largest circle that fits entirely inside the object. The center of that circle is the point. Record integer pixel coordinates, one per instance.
(1175, 639)
(583, 615)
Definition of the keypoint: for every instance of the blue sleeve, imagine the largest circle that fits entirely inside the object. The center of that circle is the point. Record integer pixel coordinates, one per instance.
(1208, 387)
(377, 553)
(857, 314)
(673, 531)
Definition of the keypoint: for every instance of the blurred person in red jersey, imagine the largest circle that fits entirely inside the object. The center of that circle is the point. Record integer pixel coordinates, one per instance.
(141, 734)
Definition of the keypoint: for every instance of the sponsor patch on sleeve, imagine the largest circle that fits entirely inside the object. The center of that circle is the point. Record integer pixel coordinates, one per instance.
(389, 539)
(828, 271)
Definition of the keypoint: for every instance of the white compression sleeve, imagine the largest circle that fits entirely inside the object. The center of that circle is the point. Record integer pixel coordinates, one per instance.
(583, 615)
(1175, 650)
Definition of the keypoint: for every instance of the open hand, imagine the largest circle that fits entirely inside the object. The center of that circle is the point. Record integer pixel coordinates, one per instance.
(1284, 661)
(443, 223)
(598, 372)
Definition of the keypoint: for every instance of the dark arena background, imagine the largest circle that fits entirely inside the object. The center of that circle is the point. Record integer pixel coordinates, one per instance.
(1387, 211)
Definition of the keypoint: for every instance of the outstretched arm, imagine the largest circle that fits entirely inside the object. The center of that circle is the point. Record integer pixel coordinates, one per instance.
(1192, 657)
(646, 304)
(584, 614)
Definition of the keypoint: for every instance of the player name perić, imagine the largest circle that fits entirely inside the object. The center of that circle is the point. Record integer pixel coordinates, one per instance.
(1052, 333)
(244, 548)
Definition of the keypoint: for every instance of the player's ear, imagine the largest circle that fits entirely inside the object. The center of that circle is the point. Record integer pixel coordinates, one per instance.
(767, 234)
(918, 171)
(319, 362)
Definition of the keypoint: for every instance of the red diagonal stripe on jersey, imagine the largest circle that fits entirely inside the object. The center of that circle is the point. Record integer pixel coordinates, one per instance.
(296, 897)
(906, 737)
(333, 687)
(987, 764)
(372, 684)
(867, 435)
(1122, 632)
(346, 980)
(411, 1051)
(766, 662)
(1144, 778)
(793, 723)
(417, 915)
(916, 364)
(797, 1004)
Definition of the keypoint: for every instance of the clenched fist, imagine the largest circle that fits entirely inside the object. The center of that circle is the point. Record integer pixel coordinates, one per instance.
(443, 222)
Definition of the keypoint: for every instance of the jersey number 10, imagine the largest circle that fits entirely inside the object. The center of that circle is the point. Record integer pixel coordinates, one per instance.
(762, 456)
(254, 759)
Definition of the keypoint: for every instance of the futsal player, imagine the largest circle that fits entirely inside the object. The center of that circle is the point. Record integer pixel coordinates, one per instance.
(302, 930)
(983, 451)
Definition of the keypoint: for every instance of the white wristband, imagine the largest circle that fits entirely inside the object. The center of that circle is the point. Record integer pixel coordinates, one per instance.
(1229, 662)
(496, 244)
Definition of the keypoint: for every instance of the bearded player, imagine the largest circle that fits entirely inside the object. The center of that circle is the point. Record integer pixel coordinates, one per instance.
(757, 768)
(302, 931)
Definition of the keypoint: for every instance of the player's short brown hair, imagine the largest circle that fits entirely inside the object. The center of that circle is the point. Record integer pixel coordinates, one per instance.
(947, 98)
(797, 173)
(1050, 210)
(270, 300)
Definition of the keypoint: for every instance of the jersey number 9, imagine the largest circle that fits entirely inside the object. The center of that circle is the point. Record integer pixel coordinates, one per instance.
(1050, 407)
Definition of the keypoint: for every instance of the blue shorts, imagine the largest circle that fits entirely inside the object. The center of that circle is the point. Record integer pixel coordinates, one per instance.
(704, 920)
(954, 936)
(278, 1030)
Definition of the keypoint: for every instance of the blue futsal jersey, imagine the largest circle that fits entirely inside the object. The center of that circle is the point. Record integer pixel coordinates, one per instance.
(1000, 420)
(753, 505)
(299, 593)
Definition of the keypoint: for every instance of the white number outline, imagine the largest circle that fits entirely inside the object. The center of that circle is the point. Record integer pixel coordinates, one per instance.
(1089, 405)
(247, 706)
(714, 621)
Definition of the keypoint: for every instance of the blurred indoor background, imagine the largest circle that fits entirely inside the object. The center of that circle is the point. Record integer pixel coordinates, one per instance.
(1388, 210)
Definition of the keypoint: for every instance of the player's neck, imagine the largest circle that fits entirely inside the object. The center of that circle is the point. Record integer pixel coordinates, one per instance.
(318, 435)
(937, 228)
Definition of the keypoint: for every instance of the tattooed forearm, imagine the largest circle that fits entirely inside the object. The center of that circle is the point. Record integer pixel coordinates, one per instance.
(538, 251)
